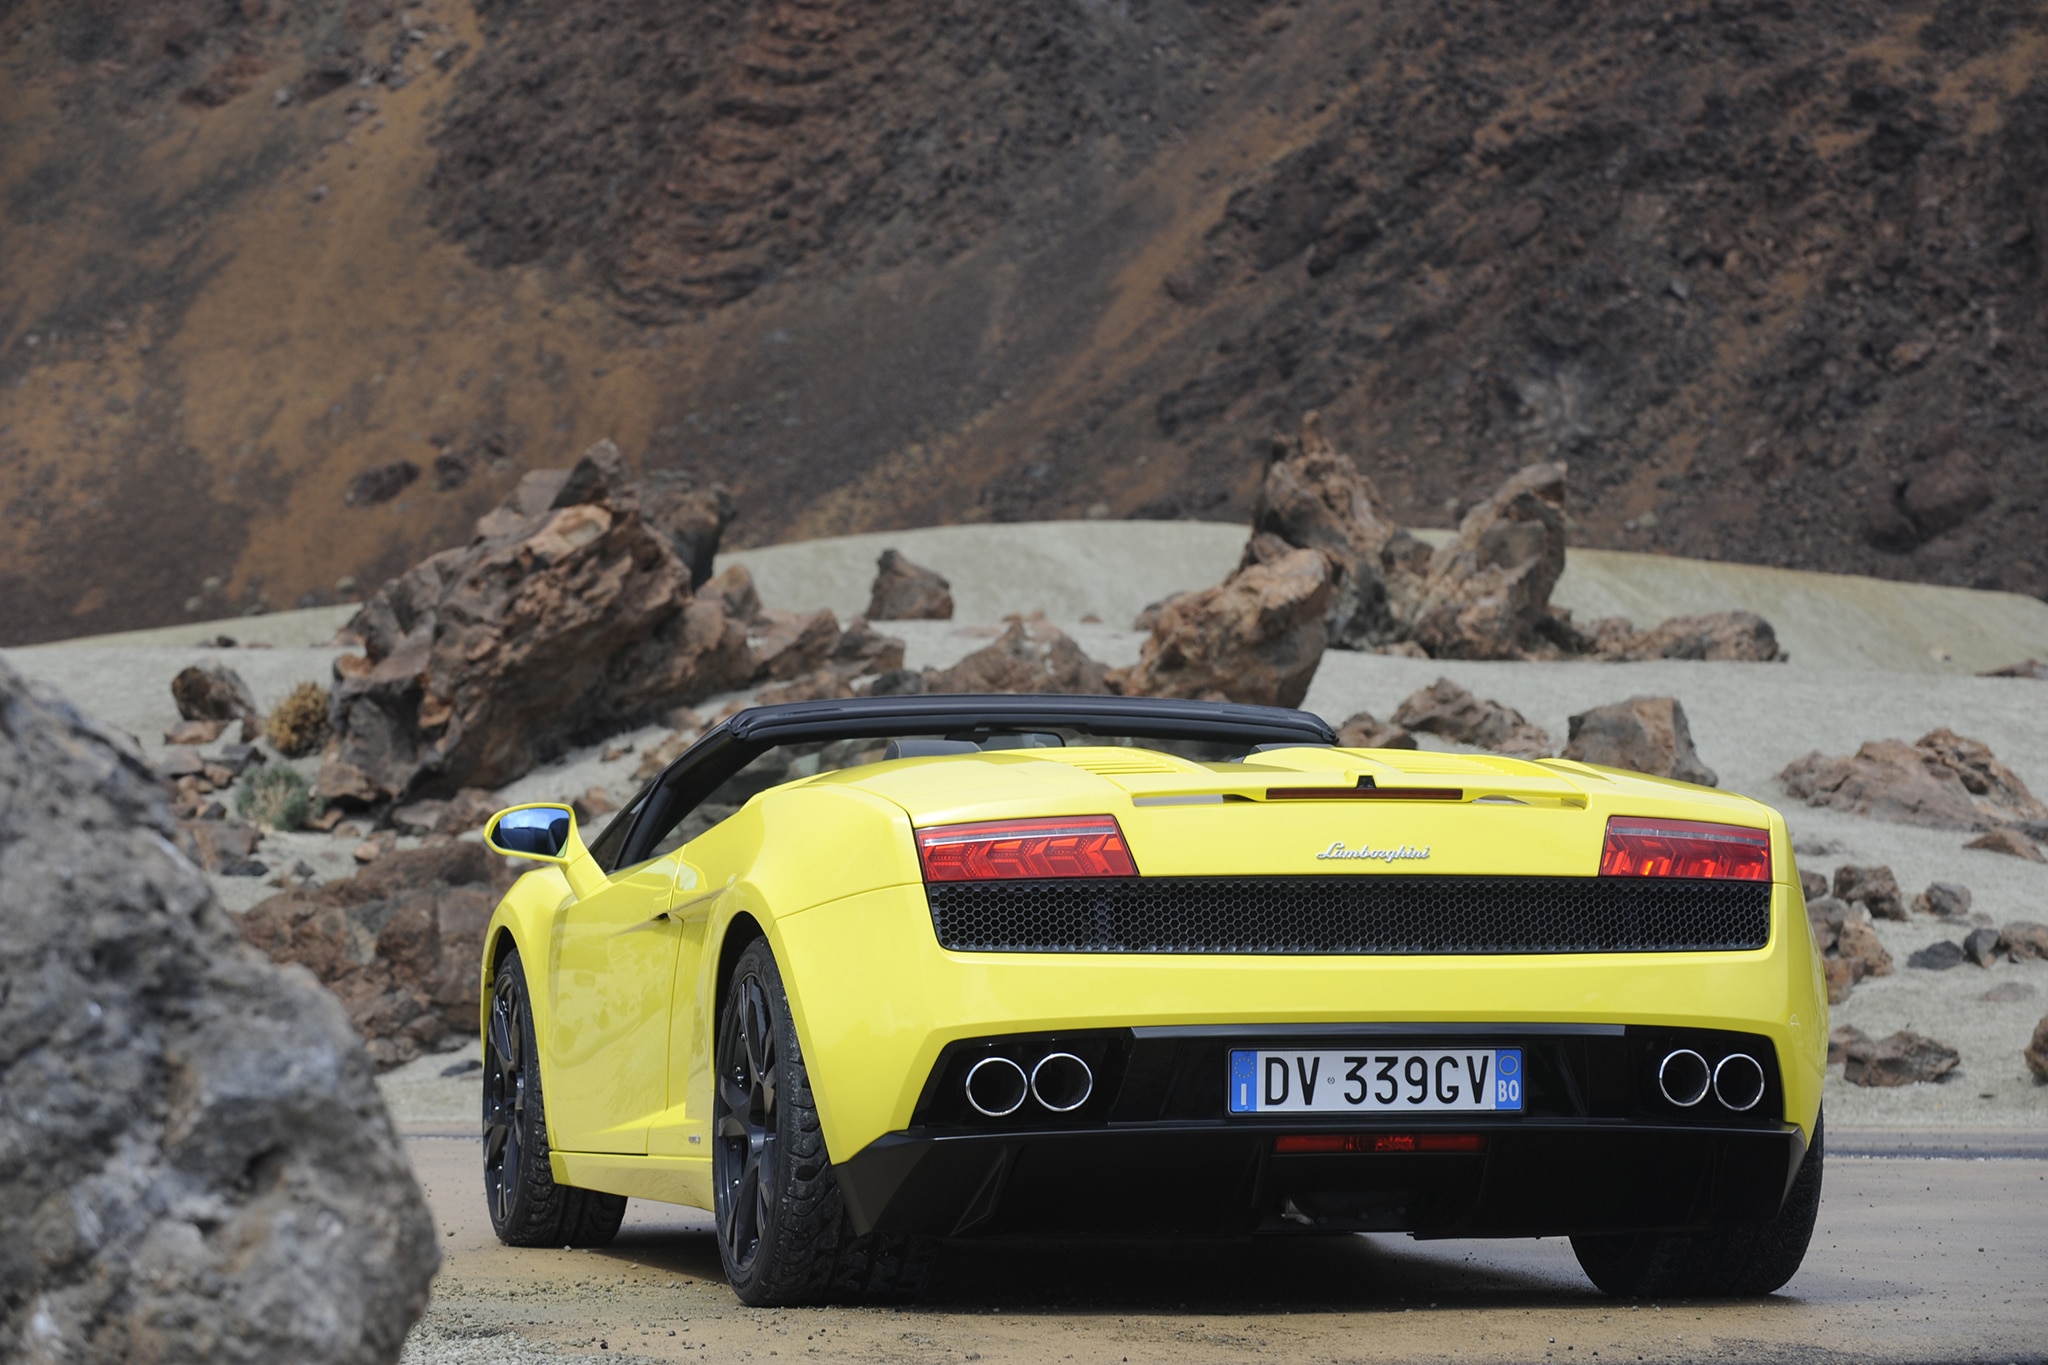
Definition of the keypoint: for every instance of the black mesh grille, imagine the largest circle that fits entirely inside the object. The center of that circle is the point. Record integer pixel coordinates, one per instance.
(1351, 915)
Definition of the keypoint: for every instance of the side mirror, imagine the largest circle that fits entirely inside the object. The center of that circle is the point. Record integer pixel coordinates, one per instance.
(544, 833)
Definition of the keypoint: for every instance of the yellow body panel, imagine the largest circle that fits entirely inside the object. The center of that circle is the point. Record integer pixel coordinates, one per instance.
(826, 868)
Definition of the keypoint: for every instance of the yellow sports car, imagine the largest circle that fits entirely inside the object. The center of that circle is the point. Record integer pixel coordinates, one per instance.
(863, 975)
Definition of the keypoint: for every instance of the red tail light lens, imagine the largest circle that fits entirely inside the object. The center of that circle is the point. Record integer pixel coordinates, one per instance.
(1321, 1143)
(995, 850)
(1684, 848)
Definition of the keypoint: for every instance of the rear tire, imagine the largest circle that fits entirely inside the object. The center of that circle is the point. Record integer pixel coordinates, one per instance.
(528, 1209)
(1747, 1260)
(783, 1233)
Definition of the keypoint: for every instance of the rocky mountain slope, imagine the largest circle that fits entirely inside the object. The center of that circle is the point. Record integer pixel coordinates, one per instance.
(293, 293)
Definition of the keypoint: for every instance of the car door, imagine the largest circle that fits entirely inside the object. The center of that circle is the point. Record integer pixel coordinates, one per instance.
(608, 1031)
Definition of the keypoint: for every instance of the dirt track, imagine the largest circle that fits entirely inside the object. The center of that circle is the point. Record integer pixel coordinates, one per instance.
(1915, 1259)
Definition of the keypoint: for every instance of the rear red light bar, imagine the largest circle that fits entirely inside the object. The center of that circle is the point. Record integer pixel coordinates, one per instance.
(1638, 847)
(996, 850)
(1306, 1144)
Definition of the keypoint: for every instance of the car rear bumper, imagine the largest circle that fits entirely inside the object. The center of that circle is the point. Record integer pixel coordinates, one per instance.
(1533, 1178)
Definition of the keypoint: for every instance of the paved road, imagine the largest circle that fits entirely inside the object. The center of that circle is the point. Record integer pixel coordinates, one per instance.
(1917, 1259)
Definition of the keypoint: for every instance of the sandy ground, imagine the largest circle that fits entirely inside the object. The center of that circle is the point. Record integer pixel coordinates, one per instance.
(1914, 1260)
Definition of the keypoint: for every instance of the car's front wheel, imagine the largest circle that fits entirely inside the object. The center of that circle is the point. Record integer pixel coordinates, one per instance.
(528, 1209)
(783, 1232)
(1745, 1261)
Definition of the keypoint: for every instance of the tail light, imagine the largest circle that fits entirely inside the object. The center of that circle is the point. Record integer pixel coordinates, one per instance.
(1685, 848)
(995, 850)
(1327, 1143)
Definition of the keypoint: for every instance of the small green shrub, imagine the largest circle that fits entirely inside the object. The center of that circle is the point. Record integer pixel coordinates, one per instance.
(275, 795)
(298, 725)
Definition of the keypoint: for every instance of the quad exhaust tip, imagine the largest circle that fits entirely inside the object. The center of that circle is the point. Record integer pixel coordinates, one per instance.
(1062, 1082)
(996, 1086)
(1739, 1081)
(1684, 1077)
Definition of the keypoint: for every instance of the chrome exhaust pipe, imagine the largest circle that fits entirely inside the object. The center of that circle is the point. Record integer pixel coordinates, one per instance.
(996, 1086)
(1062, 1082)
(1684, 1077)
(1739, 1081)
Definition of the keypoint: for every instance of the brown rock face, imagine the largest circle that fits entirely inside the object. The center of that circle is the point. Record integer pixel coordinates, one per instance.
(783, 645)
(199, 1165)
(1314, 498)
(1031, 655)
(1446, 709)
(1362, 731)
(858, 664)
(482, 661)
(1905, 1058)
(1258, 636)
(397, 943)
(1873, 887)
(1943, 781)
(213, 691)
(904, 591)
(2025, 941)
(1736, 636)
(1644, 734)
(2036, 1050)
(2008, 841)
(1488, 592)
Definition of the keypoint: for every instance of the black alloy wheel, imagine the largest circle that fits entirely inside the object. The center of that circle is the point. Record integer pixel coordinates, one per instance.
(783, 1233)
(527, 1207)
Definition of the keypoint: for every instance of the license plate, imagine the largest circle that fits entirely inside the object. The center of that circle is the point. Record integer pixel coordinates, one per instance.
(1458, 1080)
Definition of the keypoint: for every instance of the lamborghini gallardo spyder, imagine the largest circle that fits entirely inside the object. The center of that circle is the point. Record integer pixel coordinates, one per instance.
(861, 976)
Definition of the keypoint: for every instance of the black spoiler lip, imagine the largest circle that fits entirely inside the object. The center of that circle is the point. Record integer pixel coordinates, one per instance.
(736, 741)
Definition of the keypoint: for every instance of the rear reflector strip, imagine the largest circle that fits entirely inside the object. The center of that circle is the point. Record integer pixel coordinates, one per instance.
(1638, 847)
(1011, 850)
(1317, 1144)
(1365, 794)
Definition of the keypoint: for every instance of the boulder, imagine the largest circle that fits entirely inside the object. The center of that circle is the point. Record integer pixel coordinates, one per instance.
(1949, 900)
(481, 662)
(692, 518)
(1943, 781)
(1314, 498)
(194, 733)
(217, 845)
(1149, 616)
(468, 809)
(398, 943)
(1938, 956)
(1362, 731)
(1643, 734)
(782, 645)
(1945, 494)
(2025, 941)
(1735, 636)
(1850, 948)
(2036, 1051)
(1872, 887)
(2010, 842)
(904, 591)
(1813, 884)
(1905, 1058)
(199, 1166)
(1488, 592)
(213, 691)
(1839, 1039)
(1257, 637)
(1031, 655)
(858, 663)
(1982, 946)
(2025, 668)
(1446, 709)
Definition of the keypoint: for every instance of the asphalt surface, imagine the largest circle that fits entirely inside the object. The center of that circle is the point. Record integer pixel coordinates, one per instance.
(1917, 1258)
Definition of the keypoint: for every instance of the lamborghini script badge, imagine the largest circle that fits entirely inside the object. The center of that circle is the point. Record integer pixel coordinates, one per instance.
(1384, 855)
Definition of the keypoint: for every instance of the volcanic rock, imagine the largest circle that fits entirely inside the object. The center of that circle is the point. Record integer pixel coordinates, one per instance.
(1982, 946)
(213, 691)
(192, 733)
(1148, 617)
(692, 518)
(2025, 941)
(199, 1165)
(2008, 841)
(1362, 731)
(2036, 1051)
(1488, 592)
(468, 809)
(1850, 948)
(788, 644)
(2006, 991)
(1446, 709)
(2026, 668)
(904, 591)
(1813, 885)
(1943, 781)
(1031, 655)
(1872, 887)
(1904, 1058)
(1257, 637)
(1946, 494)
(481, 662)
(1314, 498)
(1839, 1039)
(1938, 956)
(1949, 900)
(1735, 636)
(1643, 734)
(217, 844)
(398, 943)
